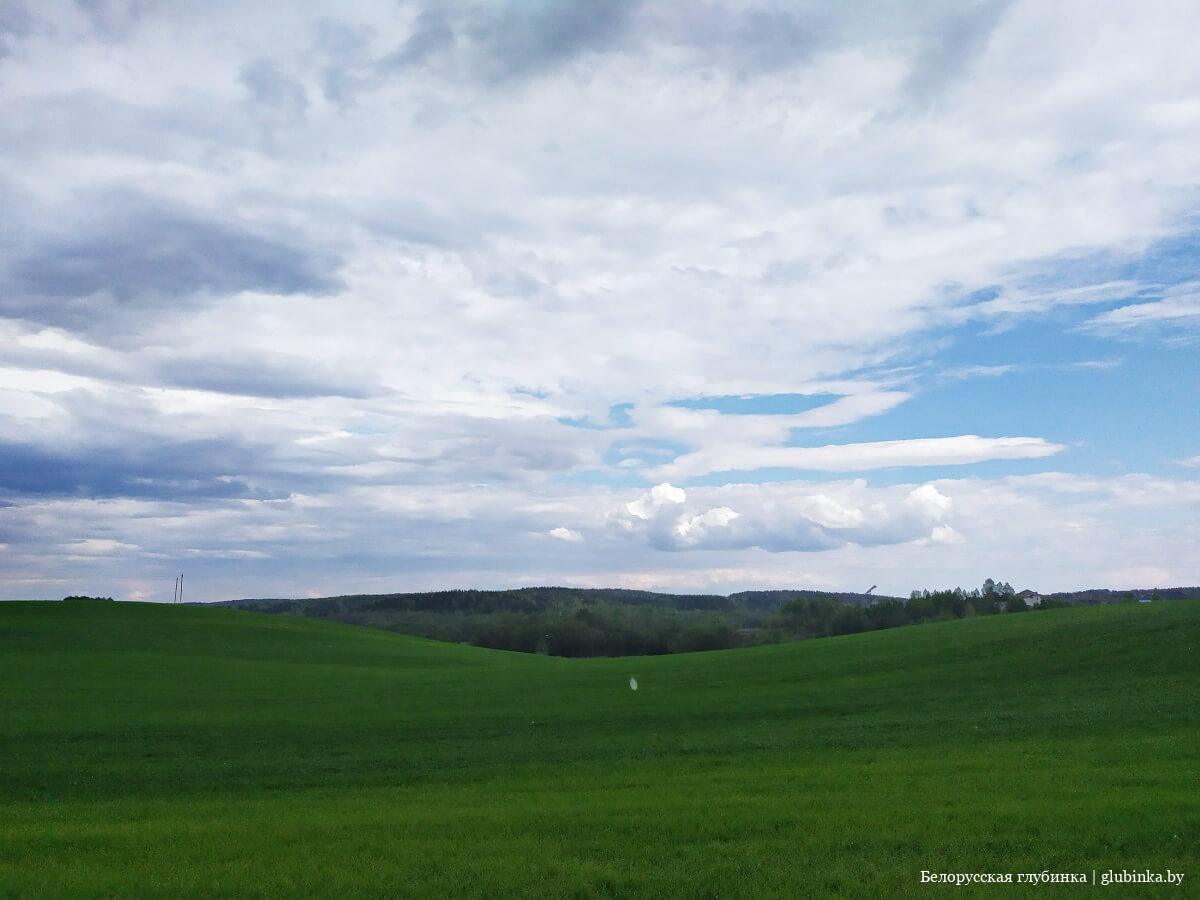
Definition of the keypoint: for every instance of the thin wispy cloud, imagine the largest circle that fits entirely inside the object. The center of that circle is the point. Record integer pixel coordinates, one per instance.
(980, 371)
(960, 450)
(1180, 307)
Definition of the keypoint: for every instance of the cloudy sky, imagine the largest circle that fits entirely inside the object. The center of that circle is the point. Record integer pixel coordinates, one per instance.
(382, 295)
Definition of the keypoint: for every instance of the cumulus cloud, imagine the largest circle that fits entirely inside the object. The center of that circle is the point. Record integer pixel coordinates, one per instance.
(699, 528)
(654, 500)
(565, 534)
(781, 518)
(945, 534)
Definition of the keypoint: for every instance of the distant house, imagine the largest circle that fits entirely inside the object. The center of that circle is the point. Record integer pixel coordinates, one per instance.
(1031, 598)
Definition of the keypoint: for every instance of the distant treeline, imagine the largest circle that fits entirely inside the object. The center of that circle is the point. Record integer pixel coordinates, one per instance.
(578, 622)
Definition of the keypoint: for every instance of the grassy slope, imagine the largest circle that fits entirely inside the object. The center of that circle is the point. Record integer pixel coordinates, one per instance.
(176, 751)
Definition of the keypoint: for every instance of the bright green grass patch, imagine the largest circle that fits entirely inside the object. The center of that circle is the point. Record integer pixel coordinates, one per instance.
(168, 751)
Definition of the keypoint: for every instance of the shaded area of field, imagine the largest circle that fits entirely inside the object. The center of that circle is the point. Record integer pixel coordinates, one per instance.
(181, 751)
(576, 622)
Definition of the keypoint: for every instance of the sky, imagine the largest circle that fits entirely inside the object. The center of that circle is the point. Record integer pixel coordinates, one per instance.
(377, 296)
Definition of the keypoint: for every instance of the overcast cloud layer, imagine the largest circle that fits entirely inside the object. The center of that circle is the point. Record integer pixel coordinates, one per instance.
(377, 296)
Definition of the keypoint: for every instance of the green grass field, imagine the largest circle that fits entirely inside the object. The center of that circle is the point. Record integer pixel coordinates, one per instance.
(171, 751)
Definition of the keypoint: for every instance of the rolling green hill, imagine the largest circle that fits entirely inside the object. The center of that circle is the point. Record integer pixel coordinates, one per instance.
(188, 751)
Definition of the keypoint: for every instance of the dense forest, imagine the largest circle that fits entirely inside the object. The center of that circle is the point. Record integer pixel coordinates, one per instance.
(576, 622)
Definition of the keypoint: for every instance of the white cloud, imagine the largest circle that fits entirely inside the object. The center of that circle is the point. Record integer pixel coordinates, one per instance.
(781, 518)
(655, 499)
(928, 502)
(565, 534)
(850, 409)
(1019, 299)
(980, 371)
(1179, 306)
(1051, 531)
(98, 547)
(960, 450)
(945, 534)
(695, 529)
(1100, 364)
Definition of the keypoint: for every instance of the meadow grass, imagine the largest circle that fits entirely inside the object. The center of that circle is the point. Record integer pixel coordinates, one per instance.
(170, 751)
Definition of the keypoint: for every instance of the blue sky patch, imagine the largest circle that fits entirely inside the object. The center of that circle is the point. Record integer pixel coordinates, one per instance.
(758, 404)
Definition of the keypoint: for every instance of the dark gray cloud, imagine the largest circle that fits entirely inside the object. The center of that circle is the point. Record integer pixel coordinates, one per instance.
(768, 39)
(499, 43)
(258, 378)
(114, 18)
(16, 24)
(140, 254)
(344, 51)
(952, 47)
(431, 34)
(761, 39)
(272, 88)
(274, 375)
(494, 43)
(524, 39)
(125, 445)
(504, 42)
(168, 471)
